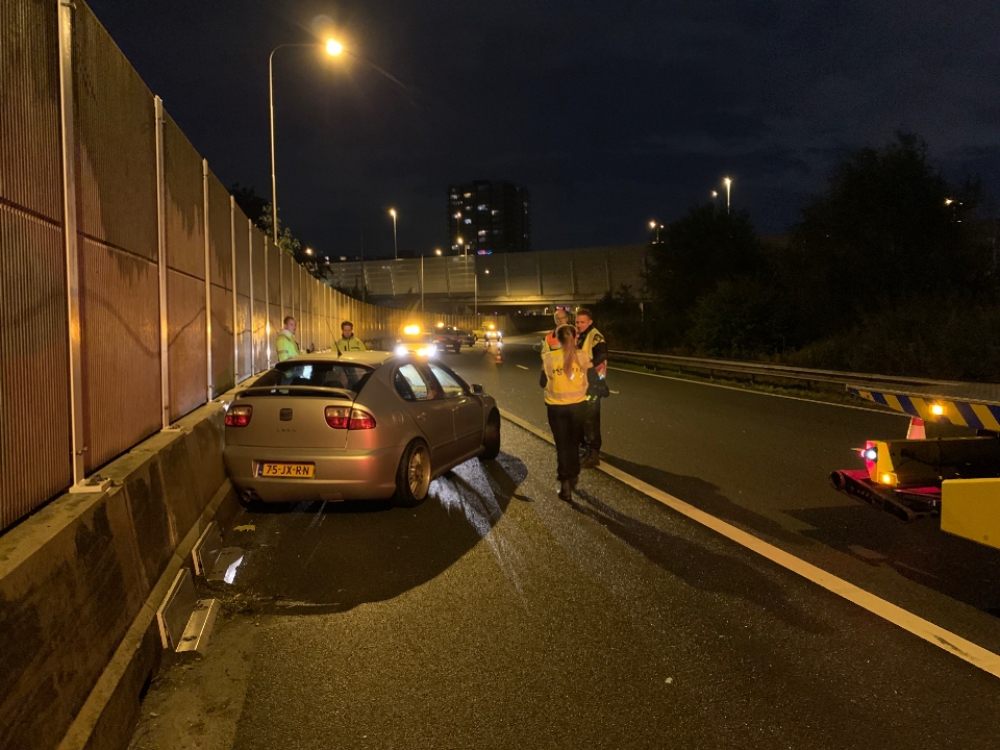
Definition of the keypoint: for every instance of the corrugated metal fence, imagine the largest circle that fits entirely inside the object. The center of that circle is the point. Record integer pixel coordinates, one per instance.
(132, 289)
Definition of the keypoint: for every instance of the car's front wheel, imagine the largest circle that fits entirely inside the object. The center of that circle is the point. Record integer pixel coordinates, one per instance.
(413, 477)
(491, 437)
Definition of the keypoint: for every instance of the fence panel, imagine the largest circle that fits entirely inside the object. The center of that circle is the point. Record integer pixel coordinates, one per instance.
(259, 322)
(241, 235)
(119, 319)
(556, 272)
(34, 388)
(118, 246)
(627, 268)
(116, 150)
(184, 224)
(32, 285)
(221, 272)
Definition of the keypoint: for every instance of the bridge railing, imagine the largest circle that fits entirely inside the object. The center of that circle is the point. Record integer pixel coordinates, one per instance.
(549, 275)
(133, 288)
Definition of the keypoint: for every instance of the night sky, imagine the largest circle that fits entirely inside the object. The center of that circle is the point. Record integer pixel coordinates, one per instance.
(610, 113)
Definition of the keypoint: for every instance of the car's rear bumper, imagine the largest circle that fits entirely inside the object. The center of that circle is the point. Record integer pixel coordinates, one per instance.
(339, 475)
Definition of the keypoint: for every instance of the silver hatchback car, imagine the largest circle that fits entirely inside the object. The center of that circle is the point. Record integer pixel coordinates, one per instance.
(365, 425)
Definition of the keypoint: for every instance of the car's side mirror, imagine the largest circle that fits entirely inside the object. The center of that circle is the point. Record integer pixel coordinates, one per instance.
(477, 390)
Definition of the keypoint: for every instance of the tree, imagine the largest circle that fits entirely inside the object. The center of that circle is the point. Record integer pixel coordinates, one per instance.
(258, 210)
(889, 226)
(696, 252)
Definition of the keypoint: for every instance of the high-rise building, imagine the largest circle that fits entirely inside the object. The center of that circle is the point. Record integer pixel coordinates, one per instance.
(489, 217)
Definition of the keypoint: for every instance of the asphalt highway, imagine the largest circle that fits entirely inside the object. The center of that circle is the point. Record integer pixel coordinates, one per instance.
(496, 616)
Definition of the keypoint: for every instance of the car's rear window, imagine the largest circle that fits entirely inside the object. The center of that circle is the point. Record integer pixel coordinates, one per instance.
(351, 376)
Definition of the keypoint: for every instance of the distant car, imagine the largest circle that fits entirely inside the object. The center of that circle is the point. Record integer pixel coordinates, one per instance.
(416, 341)
(490, 333)
(448, 338)
(365, 425)
(460, 335)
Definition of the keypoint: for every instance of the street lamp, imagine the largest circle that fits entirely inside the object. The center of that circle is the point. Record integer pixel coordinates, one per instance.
(437, 251)
(395, 246)
(655, 225)
(458, 225)
(333, 48)
(715, 194)
(729, 184)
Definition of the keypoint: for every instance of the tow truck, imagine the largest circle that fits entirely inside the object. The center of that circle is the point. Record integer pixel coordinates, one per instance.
(947, 466)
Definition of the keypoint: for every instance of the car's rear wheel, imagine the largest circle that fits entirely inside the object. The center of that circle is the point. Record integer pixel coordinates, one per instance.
(413, 478)
(458, 347)
(491, 437)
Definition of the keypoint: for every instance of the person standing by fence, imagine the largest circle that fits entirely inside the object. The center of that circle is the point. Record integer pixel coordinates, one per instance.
(285, 345)
(348, 342)
(566, 372)
(592, 342)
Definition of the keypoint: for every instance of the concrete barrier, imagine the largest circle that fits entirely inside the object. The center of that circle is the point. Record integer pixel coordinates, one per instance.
(80, 581)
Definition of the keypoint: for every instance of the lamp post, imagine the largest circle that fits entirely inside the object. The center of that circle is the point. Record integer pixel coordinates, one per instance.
(657, 226)
(333, 49)
(728, 183)
(395, 245)
(458, 227)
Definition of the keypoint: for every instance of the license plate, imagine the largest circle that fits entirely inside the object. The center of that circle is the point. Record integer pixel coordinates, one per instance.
(286, 471)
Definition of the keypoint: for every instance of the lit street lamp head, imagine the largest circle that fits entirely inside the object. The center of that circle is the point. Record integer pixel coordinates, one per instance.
(333, 47)
(392, 212)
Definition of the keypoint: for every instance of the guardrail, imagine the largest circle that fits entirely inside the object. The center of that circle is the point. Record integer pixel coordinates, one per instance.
(810, 377)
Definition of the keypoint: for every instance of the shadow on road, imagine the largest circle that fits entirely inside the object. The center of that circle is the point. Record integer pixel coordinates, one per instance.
(706, 496)
(919, 551)
(330, 557)
(698, 566)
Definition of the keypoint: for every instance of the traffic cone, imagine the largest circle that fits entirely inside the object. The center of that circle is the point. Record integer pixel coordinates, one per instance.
(499, 359)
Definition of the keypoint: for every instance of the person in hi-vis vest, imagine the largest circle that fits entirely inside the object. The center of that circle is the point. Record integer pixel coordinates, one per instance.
(566, 376)
(285, 345)
(591, 341)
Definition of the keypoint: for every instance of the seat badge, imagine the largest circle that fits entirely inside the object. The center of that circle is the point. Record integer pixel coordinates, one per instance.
(285, 415)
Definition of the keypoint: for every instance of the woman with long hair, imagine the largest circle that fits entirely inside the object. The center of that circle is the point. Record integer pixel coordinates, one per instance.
(566, 373)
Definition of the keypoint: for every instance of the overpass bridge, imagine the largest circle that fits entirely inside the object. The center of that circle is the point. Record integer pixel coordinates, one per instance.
(504, 280)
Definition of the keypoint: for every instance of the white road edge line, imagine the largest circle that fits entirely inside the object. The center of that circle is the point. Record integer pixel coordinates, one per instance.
(954, 644)
(759, 393)
(522, 367)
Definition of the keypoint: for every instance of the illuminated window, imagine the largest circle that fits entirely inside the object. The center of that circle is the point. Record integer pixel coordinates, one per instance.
(482, 206)
(468, 195)
(468, 221)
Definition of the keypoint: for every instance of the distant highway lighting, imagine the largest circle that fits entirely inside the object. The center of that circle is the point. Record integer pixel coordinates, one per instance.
(334, 48)
(652, 225)
(729, 184)
(948, 201)
(437, 251)
(715, 193)
(309, 251)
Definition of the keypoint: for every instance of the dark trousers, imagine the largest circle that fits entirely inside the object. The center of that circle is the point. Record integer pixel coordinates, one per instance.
(592, 426)
(566, 422)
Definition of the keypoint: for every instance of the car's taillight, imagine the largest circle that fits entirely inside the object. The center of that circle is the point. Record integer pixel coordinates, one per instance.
(338, 417)
(238, 416)
(361, 420)
(346, 418)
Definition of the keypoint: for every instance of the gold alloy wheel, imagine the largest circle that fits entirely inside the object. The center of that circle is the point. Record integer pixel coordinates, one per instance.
(418, 472)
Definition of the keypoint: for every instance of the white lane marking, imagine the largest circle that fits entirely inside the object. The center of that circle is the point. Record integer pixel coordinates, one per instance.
(614, 392)
(760, 393)
(522, 367)
(954, 644)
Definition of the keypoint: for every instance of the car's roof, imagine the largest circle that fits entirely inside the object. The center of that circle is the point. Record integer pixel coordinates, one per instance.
(361, 358)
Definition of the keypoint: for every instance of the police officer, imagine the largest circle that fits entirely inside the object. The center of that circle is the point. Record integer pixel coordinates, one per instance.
(551, 340)
(348, 342)
(591, 341)
(285, 344)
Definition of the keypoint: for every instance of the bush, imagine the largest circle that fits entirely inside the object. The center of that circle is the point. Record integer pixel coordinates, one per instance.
(743, 317)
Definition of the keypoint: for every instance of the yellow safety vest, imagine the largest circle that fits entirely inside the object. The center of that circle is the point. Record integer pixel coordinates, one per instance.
(563, 387)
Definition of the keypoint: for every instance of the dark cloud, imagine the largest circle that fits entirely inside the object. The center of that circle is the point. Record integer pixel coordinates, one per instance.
(610, 112)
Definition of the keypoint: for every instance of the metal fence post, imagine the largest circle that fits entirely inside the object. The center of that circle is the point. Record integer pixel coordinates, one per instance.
(267, 305)
(70, 241)
(161, 241)
(232, 283)
(253, 358)
(208, 284)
